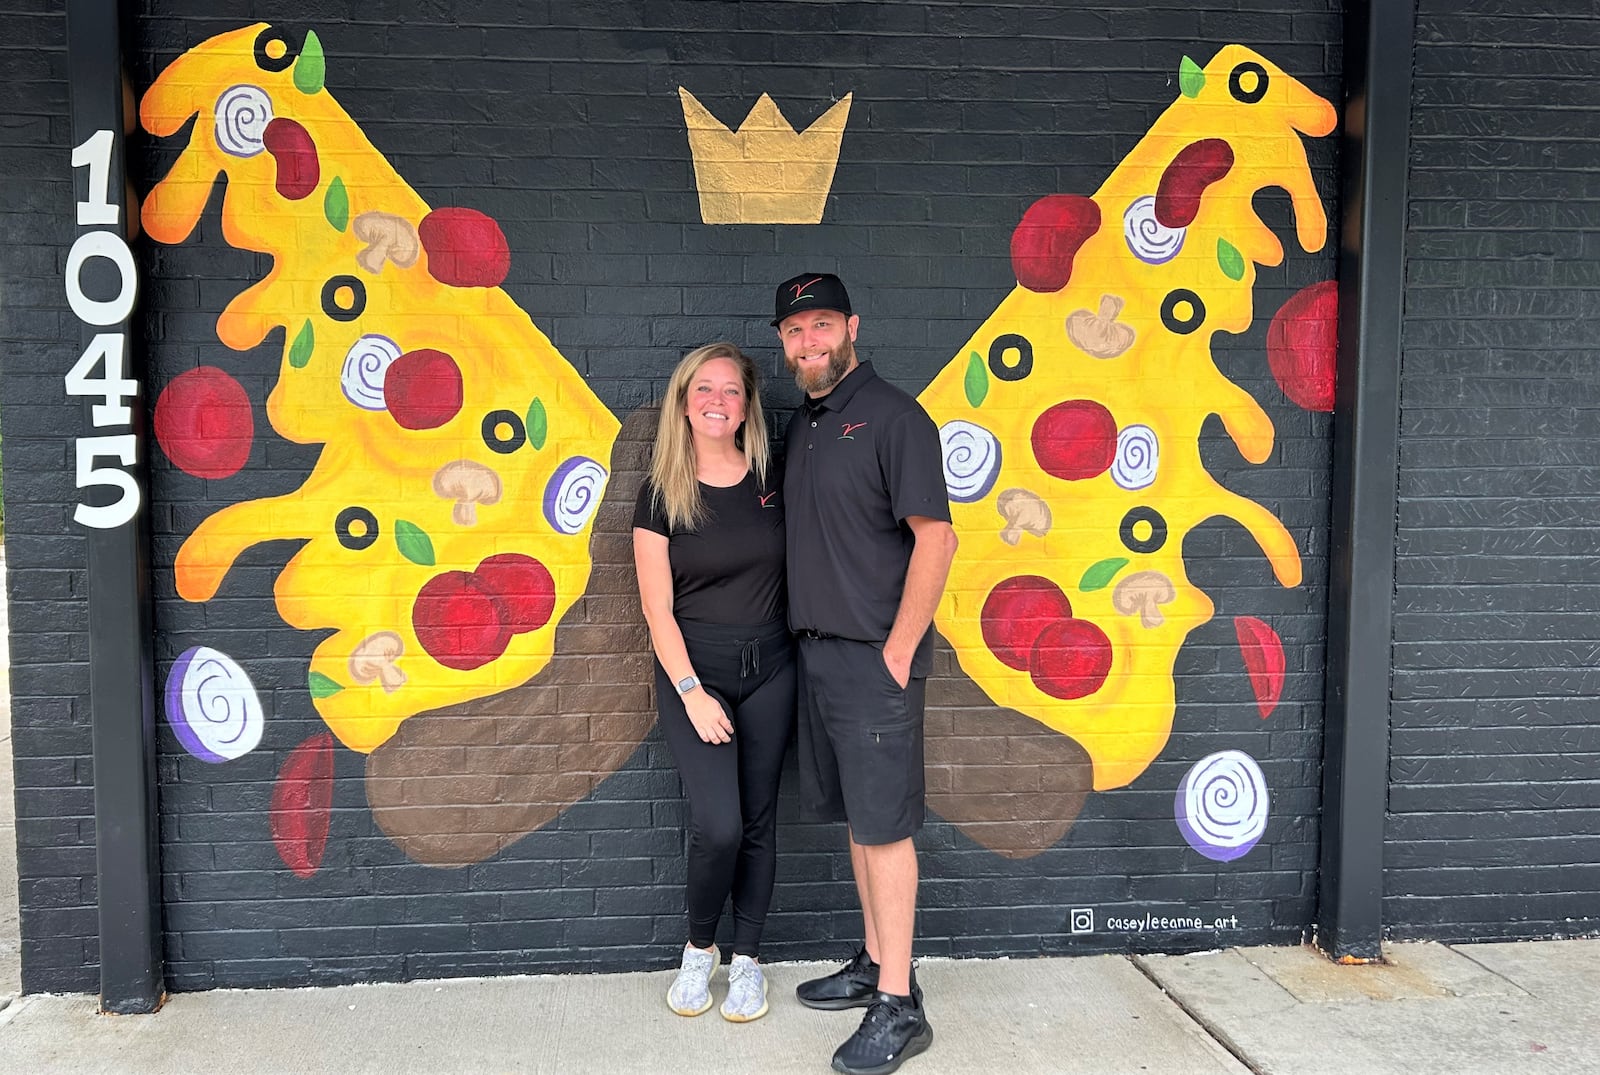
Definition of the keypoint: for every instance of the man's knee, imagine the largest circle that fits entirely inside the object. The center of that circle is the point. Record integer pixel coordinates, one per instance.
(884, 852)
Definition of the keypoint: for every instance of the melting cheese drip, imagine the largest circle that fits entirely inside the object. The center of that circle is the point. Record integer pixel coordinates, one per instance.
(1164, 380)
(511, 378)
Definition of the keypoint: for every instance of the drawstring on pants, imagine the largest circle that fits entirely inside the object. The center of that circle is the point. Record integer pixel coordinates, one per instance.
(749, 658)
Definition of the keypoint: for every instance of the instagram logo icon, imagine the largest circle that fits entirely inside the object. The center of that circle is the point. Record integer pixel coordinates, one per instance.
(1081, 920)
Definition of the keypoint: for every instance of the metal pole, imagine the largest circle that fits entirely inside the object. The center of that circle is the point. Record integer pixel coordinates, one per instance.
(113, 511)
(1378, 36)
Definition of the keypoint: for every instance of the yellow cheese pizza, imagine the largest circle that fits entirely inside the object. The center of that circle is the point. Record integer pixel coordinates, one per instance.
(1071, 420)
(445, 523)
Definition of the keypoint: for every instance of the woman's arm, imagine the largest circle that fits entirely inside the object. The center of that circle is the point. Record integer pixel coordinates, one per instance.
(655, 594)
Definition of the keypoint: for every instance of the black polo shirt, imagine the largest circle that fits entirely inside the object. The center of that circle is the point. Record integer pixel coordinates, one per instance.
(860, 461)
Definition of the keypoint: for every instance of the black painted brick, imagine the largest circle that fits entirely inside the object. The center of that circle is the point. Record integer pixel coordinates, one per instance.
(1494, 830)
(55, 849)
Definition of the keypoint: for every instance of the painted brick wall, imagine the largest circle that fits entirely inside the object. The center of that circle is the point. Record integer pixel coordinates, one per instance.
(561, 120)
(1494, 808)
(49, 649)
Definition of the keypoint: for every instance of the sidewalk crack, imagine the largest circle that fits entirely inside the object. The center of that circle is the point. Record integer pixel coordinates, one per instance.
(1233, 1048)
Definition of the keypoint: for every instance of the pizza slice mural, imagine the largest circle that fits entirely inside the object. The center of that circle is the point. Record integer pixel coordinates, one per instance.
(466, 524)
(1071, 423)
(446, 522)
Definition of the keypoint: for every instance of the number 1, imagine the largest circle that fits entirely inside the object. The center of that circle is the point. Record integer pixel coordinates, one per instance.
(95, 153)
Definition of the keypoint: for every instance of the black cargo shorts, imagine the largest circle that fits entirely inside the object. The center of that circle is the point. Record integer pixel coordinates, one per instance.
(860, 740)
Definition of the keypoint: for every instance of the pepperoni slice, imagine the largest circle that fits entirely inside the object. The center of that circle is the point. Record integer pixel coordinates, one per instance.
(302, 805)
(1303, 346)
(1049, 237)
(1070, 659)
(465, 248)
(204, 423)
(422, 389)
(295, 155)
(1075, 440)
(1196, 167)
(459, 621)
(1014, 614)
(1262, 651)
(524, 586)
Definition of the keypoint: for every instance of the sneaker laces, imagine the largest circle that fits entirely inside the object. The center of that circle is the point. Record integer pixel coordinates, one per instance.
(879, 1017)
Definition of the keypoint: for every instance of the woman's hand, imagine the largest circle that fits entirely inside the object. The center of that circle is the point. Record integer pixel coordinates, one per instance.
(710, 720)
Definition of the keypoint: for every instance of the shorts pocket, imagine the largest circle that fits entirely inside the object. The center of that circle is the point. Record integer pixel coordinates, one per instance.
(894, 723)
(883, 670)
(890, 731)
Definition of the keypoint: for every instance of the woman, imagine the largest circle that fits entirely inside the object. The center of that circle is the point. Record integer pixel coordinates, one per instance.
(708, 545)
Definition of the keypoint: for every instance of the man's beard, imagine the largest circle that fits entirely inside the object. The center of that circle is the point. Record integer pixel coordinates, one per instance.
(839, 361)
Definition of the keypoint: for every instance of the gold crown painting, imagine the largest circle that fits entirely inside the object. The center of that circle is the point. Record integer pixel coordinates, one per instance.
(766, 172)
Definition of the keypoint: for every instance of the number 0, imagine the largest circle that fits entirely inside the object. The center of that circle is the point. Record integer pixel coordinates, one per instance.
(101, 244)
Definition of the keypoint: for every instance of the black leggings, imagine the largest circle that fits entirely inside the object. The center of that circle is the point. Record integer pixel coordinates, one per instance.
(732, 788)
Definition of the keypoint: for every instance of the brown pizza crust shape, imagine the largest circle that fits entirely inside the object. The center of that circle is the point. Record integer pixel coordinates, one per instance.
(1005, 780)
(456, 785)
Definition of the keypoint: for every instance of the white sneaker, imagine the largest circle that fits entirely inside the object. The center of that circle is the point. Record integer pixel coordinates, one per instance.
(691, 989)
(747, 991)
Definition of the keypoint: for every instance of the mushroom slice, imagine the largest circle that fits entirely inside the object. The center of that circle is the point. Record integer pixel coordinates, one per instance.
(1101, 334)
(374, 659)
(388, 238)
(1023, 512)
(1144, 592)
(468, 484)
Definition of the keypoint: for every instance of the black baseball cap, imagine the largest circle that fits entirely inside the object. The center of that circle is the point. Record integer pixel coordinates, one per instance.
(810, 291)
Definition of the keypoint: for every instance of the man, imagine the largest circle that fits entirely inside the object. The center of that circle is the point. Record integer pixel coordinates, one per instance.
(869, 546)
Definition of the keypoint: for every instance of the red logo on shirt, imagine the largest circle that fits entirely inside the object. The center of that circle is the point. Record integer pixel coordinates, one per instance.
(849, 428)
(766, 501)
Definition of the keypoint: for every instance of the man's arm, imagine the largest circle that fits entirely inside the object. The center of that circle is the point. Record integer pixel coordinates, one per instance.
(930, 564)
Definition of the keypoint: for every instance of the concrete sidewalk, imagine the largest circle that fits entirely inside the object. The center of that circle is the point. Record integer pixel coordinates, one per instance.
(1494, 1008)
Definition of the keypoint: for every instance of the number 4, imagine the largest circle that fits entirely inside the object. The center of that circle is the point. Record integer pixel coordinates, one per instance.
(106, 348)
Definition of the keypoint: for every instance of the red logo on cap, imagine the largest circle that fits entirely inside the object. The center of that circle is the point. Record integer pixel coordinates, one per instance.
(801, 287)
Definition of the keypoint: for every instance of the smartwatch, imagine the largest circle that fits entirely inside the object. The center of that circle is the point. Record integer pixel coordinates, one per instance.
(688, 684)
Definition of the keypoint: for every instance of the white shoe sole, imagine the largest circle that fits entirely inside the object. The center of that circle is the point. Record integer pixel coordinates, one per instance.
(690, 1013)
(734, 1018)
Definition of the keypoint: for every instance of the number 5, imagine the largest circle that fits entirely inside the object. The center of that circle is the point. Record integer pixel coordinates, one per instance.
(124, 447)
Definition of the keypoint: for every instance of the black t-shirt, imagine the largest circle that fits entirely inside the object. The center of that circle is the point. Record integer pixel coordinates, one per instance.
(861, 460)
(731, 569)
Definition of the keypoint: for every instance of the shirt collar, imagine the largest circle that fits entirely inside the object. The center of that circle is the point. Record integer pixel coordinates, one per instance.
(845, 390)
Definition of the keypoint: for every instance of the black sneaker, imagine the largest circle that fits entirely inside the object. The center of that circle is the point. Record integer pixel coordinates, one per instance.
(851, 986)
(894, 1030)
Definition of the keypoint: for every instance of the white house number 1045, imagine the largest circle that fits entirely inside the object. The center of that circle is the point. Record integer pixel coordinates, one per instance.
(101, 371)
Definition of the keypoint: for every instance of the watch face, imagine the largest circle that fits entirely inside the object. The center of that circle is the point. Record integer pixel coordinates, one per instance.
(687, 685)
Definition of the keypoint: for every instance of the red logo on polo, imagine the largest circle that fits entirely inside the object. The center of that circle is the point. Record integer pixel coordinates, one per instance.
(849, 428)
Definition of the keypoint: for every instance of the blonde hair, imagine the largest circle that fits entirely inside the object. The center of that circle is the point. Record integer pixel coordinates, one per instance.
(672, 466)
